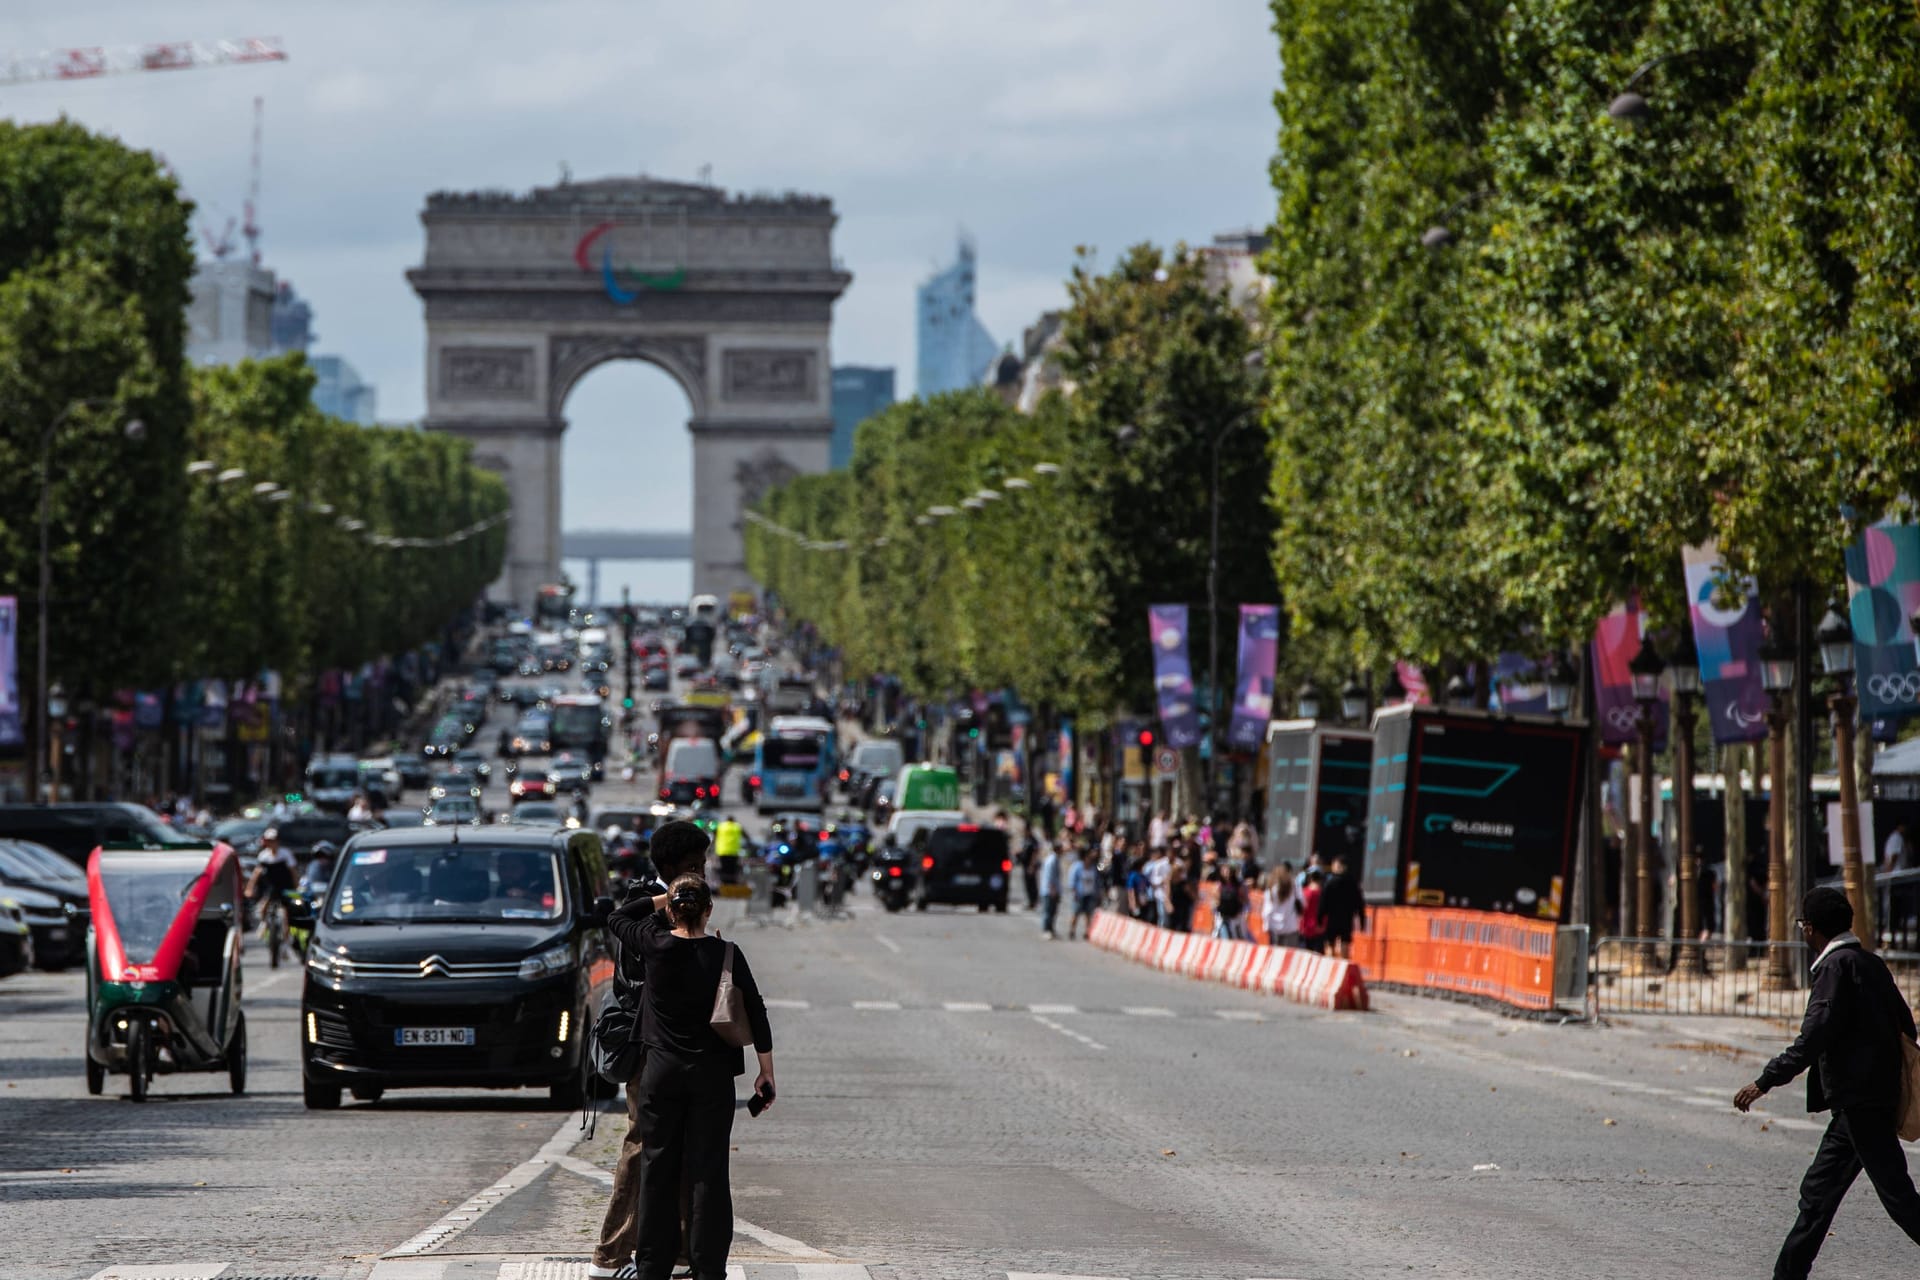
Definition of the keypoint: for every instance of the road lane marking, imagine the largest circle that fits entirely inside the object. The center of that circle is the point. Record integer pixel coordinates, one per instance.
(480, 1203)
(967, 1006)
(1052, 1008)
(1240, 1015)
(1068, 1032)
(163, 1271)
(888, 943)
(787, 1004)
(258, 987)
(877, 1006)
(1146, 1011)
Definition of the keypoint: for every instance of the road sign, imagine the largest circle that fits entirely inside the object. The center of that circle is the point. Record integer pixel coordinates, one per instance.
(1166, 762)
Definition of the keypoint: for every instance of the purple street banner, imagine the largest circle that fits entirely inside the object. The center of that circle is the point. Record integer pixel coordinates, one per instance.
(1173, 675)
(1728, 640)
(1616, 638)
(1253, 690)
(1883, 589)
(10, 732)
(1519, 686)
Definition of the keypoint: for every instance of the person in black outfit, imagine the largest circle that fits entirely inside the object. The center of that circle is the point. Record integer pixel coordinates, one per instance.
(686, 1104)
(677, 849)
(1342, 906)
(1850, 1038)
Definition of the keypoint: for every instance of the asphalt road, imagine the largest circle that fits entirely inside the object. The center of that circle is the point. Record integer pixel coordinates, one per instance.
(959, 1098)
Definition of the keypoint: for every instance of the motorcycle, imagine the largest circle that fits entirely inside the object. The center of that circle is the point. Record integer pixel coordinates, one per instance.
(892, 878)
(163, 965)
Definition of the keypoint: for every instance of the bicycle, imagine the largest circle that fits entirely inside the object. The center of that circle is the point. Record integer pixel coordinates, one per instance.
(274, 927)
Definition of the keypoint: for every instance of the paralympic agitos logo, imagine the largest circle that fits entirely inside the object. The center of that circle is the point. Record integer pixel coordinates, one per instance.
(611, 276)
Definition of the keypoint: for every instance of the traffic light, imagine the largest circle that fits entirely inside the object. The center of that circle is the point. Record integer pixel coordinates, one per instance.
(973, 731)
(627, 702)
(1146, 751)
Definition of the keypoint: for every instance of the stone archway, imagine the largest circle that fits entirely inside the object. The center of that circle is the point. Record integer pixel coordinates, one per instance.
(731, 295)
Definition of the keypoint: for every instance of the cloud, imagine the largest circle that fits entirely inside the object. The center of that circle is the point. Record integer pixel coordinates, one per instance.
(1036, 124)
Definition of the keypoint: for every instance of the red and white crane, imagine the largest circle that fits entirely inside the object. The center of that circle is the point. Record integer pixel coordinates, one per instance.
(105, 60)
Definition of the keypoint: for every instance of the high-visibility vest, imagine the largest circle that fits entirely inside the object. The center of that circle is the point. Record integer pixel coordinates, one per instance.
(726, 839)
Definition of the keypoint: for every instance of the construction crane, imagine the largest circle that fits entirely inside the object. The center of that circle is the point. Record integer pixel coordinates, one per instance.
(250, 227)
(179, 55)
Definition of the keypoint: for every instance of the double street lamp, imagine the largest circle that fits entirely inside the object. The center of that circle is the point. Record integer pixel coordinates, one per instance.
(1776, 677)
(1683, 679)
(133, 430)
(1645, 670)
(1835, 639)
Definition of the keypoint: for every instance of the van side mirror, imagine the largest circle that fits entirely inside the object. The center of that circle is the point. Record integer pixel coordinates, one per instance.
(602, 908)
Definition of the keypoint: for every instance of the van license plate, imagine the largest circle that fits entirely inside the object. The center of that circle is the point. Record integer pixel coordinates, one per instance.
(405, 1036)
(966, 879)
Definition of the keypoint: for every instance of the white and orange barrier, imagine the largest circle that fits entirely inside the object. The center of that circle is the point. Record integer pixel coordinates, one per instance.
(1302, 976)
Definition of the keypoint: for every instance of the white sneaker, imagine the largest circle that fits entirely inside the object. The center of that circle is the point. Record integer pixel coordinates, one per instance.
(625, 1271)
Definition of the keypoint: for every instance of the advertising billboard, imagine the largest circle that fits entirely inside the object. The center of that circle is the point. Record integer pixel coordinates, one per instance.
(1475, 811)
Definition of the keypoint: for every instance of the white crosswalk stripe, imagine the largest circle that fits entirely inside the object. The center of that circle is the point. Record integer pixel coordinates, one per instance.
(1052, 1008)
(1240, 1015)
(787, 1004)
(877, 1005)
(967, 1006)
(1146, 1011)
(542, 1267)
(163, 1271)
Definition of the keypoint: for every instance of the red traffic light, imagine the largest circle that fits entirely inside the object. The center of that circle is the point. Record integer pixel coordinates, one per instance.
(1146, 737)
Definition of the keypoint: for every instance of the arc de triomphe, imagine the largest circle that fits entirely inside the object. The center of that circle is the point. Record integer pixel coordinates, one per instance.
(731, 295)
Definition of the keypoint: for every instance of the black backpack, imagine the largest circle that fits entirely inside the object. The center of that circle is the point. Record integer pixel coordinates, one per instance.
(614, 1045)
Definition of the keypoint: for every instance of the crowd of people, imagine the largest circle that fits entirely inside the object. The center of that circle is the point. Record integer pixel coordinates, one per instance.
(1158, 877)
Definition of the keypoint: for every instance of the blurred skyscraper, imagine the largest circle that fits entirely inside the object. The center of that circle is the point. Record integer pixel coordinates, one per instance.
(954, 348)
(340, 392)
(858, 394)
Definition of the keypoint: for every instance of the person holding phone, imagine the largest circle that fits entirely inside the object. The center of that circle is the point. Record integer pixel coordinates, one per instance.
(685, 1105)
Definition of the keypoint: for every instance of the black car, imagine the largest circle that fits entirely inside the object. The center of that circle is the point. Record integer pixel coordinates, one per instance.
(962, 864)
(50, 890)
(413, 769)
(75, 830)
(457, 958)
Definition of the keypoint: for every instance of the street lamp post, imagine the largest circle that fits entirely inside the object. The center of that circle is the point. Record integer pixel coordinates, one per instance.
(1560, 680)
(1307, 701)
(134, 430)
(1835, 639)
(1683, 676)
(1645, 669)
(1776, 677)
(1353, 700)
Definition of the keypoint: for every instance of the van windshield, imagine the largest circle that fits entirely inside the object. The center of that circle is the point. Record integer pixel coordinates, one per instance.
(790, 753)
(469, 881)
(878, 757)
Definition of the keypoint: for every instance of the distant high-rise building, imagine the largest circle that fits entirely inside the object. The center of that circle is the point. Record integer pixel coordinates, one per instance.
(292, 320)
(230, 318)
(954, 347)
(858, 394)
(339, 391)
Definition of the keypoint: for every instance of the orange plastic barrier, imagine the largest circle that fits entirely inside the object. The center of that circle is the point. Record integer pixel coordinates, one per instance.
(1285, 971)
(1480, 953)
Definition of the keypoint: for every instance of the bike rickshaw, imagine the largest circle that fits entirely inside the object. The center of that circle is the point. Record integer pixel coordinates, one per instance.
(163, 964)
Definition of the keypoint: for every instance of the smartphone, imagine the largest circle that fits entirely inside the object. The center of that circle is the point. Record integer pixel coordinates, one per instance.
(758, 1102)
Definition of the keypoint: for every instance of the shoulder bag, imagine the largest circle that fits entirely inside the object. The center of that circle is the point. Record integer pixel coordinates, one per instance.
(1909, 1115)
(729, 1020)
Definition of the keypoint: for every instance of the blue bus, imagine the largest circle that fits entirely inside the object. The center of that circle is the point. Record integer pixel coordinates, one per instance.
(793, 764)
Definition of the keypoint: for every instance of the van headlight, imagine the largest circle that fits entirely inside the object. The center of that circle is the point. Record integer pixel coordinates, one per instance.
(545, 964)
(327, 962)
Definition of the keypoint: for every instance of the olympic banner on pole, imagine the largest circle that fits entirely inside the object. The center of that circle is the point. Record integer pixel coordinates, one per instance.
(1616, 638)
(1728, 640)
(1173, 675)
(1883, 589)
(1253, 690)
(10, 733)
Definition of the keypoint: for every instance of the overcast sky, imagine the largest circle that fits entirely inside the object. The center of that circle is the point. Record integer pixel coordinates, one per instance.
(1037, 126)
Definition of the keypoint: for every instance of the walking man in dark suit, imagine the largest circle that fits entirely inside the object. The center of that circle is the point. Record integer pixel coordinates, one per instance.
(1850, 1039)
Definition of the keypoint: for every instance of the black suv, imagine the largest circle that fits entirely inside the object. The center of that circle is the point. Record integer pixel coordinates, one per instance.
(444, 957)
(962, 864)
(75, 830)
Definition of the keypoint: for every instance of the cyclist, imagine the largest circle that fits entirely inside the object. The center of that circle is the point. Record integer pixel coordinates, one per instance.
(319, 872)
(276, 867)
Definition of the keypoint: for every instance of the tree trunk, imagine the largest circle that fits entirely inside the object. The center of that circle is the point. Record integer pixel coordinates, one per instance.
(1733, 908)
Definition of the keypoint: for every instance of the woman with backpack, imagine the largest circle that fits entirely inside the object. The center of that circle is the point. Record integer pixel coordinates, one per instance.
(686, 1104)
(1313, 926)
(1280, 908)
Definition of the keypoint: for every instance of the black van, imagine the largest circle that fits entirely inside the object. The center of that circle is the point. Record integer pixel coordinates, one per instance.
(74, 831)
(964, 863)
(449, 957)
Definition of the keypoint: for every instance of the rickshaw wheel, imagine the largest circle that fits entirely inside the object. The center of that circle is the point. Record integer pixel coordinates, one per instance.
(237, 1056)
(96, 1075)
(139, 1059)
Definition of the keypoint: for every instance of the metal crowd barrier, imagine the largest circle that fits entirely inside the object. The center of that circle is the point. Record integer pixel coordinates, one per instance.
(1716, 978)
